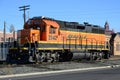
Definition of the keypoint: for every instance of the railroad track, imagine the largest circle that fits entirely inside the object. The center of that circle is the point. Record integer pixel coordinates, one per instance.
(3, 64)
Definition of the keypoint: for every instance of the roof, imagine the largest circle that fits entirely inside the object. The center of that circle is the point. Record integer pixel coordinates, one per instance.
(114, 36)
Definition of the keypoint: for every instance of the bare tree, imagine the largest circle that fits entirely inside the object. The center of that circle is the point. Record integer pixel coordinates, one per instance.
(12, 29)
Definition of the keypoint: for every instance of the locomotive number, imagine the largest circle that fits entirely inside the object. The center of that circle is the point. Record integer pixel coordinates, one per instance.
(52, 37)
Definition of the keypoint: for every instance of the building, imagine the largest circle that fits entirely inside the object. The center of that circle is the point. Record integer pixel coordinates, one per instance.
(113, 38)
(108, 34)
(115, 43)
(107, 29)
(8, 37)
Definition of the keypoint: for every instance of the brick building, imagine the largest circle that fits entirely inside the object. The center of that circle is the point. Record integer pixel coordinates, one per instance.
(113, 38)
(8, 37)
(115, 43)
(107, 29)
(108, 33)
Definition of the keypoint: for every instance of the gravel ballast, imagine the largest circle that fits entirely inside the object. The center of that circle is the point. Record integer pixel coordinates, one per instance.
(29, 68)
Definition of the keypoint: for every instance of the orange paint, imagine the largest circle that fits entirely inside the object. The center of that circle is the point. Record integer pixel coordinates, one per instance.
(52, 33)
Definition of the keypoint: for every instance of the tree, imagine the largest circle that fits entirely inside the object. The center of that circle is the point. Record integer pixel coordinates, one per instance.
(12, 29)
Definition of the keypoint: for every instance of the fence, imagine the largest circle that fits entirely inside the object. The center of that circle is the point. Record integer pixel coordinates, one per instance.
(3, 51)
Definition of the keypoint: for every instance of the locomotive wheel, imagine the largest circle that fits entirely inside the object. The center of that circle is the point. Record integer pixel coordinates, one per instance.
(42, 59)
(57, 57)
(92, 57)
(50, 60)
(37, 58)
(100, 56)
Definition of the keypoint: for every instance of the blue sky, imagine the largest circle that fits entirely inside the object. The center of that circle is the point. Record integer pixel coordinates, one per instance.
(92, 11)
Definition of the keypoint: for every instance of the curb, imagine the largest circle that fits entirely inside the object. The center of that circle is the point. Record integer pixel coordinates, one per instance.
(59, 71)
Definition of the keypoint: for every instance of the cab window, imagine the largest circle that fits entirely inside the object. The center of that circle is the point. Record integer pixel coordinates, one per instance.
(52, 30)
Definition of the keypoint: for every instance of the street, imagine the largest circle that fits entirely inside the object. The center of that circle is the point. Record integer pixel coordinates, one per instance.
(101, 74)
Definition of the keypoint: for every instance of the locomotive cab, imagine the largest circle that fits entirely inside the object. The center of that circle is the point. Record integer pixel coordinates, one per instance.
(48, 28)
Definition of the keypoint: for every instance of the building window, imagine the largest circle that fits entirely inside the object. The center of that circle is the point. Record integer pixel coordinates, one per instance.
(2, 39)
(7, 39)
(117, 47)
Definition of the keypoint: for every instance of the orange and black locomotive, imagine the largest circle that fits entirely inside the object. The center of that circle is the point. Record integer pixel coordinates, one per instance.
(47, 39)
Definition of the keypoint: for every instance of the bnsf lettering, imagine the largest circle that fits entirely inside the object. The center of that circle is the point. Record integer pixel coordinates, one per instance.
(76, 36)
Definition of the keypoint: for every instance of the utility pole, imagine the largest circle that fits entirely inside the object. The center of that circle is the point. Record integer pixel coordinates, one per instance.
(4, 32)
(4, 40)
(24, 8)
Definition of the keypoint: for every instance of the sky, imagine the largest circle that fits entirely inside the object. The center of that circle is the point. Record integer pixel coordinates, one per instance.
(92, 11)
